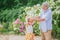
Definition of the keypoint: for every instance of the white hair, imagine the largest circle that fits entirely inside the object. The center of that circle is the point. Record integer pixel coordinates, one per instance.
(46, 3)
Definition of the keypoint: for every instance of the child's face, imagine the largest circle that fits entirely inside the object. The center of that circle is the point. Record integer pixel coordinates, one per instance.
(30, 21)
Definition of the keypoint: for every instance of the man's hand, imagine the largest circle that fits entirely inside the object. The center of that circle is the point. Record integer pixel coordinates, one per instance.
(39, 19)
(42, 19)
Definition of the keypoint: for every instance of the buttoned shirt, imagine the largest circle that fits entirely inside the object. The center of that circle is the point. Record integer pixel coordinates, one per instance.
(47, 23)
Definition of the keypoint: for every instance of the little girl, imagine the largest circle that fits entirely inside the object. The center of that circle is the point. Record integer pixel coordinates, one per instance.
(29, 29)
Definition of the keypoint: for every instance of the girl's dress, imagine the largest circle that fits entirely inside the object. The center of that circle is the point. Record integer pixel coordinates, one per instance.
(29, 33)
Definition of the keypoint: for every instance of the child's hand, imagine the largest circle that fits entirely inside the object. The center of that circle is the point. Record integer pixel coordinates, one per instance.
(37, 18)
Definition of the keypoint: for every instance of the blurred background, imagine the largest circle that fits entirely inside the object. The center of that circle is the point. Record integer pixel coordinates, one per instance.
(14, 10)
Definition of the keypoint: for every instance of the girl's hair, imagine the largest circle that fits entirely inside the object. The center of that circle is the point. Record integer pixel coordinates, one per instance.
(30, 20)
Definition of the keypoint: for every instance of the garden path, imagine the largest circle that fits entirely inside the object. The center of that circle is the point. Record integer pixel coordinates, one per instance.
(16, 37)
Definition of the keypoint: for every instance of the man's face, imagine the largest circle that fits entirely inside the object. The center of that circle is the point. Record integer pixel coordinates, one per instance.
(44, 7)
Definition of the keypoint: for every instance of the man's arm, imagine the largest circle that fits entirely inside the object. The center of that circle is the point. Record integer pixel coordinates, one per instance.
(39, 19)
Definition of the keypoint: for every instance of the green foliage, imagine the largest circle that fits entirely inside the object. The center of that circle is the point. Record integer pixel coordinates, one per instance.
(8, 15)
(18, 3)
(36, 29)
(10, 28)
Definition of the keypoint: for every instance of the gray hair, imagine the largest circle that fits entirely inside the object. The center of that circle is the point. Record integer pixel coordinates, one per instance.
(46, 3)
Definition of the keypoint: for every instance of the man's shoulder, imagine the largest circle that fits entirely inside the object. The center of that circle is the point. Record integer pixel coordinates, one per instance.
(49, 11)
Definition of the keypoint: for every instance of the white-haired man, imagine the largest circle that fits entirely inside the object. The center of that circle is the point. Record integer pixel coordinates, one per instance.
(45, 18)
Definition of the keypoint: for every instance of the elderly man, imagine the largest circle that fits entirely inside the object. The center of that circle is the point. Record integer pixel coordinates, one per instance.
(45, 18)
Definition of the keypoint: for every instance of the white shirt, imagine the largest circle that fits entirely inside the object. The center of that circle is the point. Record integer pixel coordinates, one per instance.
(29, 29)
(47, 23)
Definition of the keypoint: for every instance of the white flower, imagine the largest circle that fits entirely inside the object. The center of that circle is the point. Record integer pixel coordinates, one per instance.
(15, 29)
(1, 25)
(38, 5)
(31, 11)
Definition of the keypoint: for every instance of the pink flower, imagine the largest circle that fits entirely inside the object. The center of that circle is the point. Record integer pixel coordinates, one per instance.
(21, 22)
(22, 26)
(21, 30)
(16, 21)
